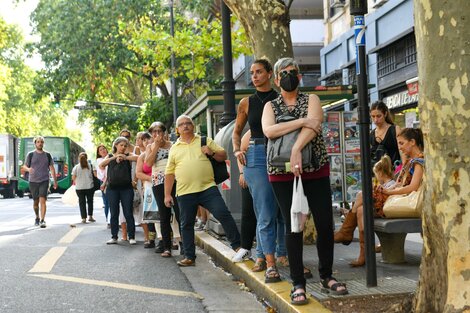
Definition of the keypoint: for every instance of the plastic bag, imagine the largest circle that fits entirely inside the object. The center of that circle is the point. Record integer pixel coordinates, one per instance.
(299, 207)
(70, 196)
(151, 213)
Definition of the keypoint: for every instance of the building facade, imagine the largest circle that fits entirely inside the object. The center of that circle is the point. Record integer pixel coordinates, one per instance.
(391, 54)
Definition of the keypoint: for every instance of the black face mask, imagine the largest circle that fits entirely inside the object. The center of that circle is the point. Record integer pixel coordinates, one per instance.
(289, 82)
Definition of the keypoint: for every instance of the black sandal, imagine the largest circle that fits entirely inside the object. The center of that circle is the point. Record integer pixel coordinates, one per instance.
(333, 289)
(294, 295)
(307, 273)
(272, 275)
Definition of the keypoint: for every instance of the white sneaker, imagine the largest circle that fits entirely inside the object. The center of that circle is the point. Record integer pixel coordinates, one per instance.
(112, 242)
(241, 255)
(132, 242)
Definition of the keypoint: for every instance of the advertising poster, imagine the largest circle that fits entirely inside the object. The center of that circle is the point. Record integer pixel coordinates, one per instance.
(331, 133)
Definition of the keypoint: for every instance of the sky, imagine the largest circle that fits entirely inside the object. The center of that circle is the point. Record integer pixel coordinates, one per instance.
(18, 13)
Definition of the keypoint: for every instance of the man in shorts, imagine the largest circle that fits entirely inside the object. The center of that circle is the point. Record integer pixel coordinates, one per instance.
(38, 163)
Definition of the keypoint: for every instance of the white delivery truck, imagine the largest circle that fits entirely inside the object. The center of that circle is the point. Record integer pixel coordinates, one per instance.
(8, 165)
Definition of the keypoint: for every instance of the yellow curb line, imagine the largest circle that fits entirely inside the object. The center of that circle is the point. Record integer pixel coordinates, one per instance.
(47, 262)
(70, 236)
(277, 294)
(103, 283)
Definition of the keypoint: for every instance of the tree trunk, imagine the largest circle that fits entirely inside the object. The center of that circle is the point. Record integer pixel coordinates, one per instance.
(443, 44)
(266, 23)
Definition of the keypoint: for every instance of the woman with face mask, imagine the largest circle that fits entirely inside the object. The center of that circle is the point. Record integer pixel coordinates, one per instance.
(306, 114)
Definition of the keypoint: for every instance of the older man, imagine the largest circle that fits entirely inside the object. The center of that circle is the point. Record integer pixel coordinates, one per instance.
(188, 162)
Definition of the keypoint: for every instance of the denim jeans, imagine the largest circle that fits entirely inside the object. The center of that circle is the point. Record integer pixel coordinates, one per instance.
(212, 200)
(270, 224)
(125, 197)
(318, 193)
(104, 196)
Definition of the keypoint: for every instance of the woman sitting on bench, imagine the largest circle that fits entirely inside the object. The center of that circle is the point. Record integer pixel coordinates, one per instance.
(410, 143)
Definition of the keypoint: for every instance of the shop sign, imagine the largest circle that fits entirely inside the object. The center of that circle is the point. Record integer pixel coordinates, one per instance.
(400, 99)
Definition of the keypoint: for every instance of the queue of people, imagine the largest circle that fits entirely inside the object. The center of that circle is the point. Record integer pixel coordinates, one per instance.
(181, 178)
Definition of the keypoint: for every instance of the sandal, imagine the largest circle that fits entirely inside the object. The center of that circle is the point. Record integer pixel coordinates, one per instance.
(307, 273)
(294, 295)
(272, 275)
(260, 265)
(166, 254)
(282, 261)
(333, 289)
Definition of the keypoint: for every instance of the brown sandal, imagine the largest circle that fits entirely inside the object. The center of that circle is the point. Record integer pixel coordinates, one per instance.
(166, 254)
(260, 265)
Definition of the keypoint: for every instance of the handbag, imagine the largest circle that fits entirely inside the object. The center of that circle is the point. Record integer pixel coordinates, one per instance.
(299, 207)
(220, 168)
(96, 181)
(279, 149)
(402, 206)
(151, 214)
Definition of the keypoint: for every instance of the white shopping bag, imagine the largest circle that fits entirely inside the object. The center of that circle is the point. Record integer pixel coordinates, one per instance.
(299, 207)
(70, 196)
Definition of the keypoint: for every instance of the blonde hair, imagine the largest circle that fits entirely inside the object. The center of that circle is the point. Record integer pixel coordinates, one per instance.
(384, 166)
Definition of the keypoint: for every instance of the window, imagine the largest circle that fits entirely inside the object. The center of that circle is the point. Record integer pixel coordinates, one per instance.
(336, 6)
(397, 55)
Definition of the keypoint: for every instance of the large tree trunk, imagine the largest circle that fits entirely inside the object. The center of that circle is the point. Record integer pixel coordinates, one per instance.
(267, 25)
(443, 43)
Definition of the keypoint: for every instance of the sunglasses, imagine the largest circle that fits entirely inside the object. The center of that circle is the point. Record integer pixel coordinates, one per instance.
(127, 136)
(284, 73)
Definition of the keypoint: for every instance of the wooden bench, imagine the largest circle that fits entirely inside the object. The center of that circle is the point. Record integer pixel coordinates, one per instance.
(392, 234)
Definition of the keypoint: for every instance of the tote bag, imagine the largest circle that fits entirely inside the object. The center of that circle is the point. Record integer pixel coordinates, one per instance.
(403, 206)
(299, 207)
(150, 206)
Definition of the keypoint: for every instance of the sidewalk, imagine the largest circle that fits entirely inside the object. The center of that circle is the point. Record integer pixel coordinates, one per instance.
(391, 278)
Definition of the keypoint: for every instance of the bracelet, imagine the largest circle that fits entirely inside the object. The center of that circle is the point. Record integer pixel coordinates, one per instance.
(234, 152)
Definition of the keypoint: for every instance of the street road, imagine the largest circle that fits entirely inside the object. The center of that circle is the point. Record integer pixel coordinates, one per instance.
(67, 267)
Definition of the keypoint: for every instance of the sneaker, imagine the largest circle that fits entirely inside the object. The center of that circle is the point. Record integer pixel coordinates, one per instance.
(132, 242)
(186, 262)
(91, 219)
(36, 221)
(42, 224)
(112, 241)
(84, 220)
(241, 255)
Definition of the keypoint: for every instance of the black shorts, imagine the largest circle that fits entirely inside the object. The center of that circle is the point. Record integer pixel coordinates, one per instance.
(39, 189)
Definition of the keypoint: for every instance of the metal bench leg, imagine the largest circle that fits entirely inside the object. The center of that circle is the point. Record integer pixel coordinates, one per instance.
(393, 247)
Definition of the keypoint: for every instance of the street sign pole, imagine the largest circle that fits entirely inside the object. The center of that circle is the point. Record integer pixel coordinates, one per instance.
(358, 10)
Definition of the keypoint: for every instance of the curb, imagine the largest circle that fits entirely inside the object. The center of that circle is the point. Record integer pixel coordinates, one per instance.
(277, 294)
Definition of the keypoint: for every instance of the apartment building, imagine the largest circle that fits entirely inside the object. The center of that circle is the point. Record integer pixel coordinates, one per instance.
(391, 54)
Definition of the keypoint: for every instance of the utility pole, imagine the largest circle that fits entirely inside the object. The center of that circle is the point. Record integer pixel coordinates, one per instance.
(173, 79)
(358, 10)
(228, 83)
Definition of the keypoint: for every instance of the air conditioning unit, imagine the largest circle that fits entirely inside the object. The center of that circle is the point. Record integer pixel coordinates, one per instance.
(379, 3)
(337, 3)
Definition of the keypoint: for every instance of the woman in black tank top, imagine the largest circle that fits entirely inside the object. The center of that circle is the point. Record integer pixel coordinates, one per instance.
(270, 224)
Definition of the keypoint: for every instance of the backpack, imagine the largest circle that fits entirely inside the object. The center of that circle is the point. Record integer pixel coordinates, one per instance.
(119, 174)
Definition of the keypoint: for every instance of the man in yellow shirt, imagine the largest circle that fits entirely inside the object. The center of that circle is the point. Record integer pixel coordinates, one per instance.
(188, 163)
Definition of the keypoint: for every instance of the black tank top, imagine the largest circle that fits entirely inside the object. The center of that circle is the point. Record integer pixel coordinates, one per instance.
(256, 104)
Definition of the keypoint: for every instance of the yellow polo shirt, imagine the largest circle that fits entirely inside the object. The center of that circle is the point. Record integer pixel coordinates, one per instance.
(192, 169)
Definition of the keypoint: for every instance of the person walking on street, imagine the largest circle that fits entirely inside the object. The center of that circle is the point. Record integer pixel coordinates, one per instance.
(189, 164)
(38, 164)
(82, 176)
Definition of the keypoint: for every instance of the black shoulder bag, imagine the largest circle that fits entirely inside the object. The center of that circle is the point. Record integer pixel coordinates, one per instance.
(220, 168)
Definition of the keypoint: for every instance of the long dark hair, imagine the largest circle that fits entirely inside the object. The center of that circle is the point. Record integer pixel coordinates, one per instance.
(413, 133)
(265, 63)
(98, 150)
(83, 158)
(382, 107)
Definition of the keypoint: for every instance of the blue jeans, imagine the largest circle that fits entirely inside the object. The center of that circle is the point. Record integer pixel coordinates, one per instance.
(126, 198)
(104, 196)
(212, 200)
(270, 223)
